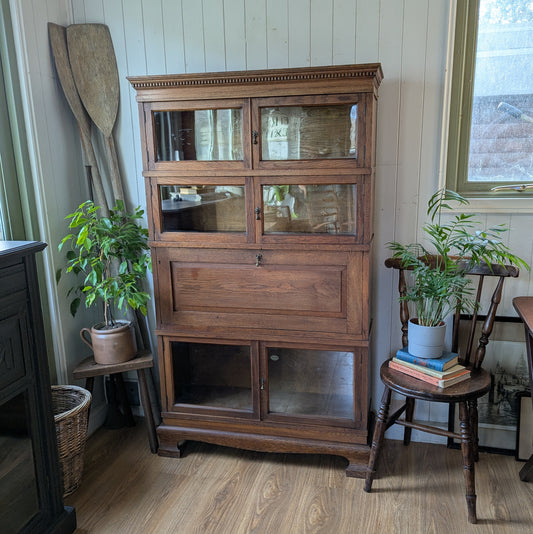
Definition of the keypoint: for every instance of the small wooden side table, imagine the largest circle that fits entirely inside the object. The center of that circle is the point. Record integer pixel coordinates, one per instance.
(524, 307)
(88, 369)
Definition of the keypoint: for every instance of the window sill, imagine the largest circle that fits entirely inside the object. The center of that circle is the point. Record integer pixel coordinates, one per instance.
(498, 205)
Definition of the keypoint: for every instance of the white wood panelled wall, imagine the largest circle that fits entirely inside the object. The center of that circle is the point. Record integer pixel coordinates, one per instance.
(409, 37)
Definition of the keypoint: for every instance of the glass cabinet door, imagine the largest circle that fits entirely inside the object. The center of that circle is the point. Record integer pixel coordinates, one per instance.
(309, 128)
(198, 207)
(309, 208)
(212, 375)
(182, 132)
(316, 383)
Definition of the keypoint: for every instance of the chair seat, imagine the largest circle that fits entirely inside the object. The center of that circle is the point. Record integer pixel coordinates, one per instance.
(476, 386)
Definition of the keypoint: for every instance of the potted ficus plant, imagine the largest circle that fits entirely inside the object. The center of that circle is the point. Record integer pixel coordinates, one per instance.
(109, 256)
(438, 283)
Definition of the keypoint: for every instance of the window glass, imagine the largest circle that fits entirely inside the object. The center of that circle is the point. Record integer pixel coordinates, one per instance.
(495, 146)
(501, 146)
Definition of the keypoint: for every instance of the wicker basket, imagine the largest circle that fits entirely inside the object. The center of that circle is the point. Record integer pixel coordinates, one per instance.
(70, 405)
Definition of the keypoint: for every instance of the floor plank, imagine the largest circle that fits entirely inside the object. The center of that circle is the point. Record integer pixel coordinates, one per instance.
(218, 490)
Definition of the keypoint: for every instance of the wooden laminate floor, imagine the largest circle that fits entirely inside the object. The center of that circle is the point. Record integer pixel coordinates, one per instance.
(126, 489)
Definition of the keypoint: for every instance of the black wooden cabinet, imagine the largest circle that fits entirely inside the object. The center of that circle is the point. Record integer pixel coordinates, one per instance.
(30, 487)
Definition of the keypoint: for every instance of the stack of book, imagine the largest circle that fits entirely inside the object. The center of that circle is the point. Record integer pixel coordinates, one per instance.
(442, 372)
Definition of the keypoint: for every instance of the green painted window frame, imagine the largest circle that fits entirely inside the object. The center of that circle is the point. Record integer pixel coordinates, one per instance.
(17, 199)
(460, 117)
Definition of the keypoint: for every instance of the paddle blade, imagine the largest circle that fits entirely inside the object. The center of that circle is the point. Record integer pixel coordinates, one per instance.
(94, 67)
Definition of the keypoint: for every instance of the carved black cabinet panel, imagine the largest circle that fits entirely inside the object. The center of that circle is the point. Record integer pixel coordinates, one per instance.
(30, 488)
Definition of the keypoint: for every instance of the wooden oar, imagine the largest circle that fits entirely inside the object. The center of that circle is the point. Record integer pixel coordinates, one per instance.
(58, 42)
(94, 67)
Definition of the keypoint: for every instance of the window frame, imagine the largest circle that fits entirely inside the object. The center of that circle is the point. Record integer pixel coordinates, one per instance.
(460, 111)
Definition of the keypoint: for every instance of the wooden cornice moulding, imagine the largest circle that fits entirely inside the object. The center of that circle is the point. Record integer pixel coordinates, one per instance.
(364, 77)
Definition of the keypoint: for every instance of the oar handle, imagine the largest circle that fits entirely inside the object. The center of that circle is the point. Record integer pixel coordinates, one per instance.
(114, 170)
(90, 158)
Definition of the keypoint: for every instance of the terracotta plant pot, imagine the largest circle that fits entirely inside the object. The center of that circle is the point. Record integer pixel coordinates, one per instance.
(111, 345)
(425, 341)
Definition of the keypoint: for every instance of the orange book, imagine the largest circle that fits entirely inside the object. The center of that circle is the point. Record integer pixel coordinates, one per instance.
(441, 383)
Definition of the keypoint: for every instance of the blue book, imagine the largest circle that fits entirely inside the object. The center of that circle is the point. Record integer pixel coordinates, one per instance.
(447, 360)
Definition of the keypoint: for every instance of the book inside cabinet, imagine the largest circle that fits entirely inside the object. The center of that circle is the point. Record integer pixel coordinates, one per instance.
(260, 201)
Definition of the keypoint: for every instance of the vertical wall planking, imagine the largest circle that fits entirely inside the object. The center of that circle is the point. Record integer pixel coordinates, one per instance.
(255, 22)
(124, 140)
(193, 37)
(367, 31)
(277, 34)
(131, 56)
(411, 114)
(343, 41)
(94, 11)
(432, 98)
(321, 32)
(78, 11)
(386, 325)
(521, 244)
(172, 25)
(215, 54)
(235, 34)
(153, 37)
(299, 33)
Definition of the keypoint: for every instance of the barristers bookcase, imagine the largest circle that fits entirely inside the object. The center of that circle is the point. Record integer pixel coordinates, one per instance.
(259, 191)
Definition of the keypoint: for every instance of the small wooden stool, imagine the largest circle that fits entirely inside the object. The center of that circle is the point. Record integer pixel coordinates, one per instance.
(88, 369)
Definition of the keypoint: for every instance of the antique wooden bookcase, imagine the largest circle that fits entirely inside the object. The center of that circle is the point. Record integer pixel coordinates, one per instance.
(259, 190)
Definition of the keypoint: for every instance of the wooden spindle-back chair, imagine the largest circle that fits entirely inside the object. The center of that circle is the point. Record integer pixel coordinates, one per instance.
(465, 394)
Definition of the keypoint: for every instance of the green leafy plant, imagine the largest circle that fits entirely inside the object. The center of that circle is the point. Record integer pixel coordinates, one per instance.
(110, 256)
(439, 284)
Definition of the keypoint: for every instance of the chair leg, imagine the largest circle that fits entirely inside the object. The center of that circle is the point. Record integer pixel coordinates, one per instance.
(468, 461)
(409, 412)
(377, 439)
(472, 413)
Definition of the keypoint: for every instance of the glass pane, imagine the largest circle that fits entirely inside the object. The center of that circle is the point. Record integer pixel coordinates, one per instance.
(203, 208)
(18, 485)
(315, 209)
(501, 141)
(309, 132)
(212, 375)
(310, 382)
(201, 135)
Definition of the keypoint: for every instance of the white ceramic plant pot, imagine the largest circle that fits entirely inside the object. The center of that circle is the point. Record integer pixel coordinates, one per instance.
(425, 341)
